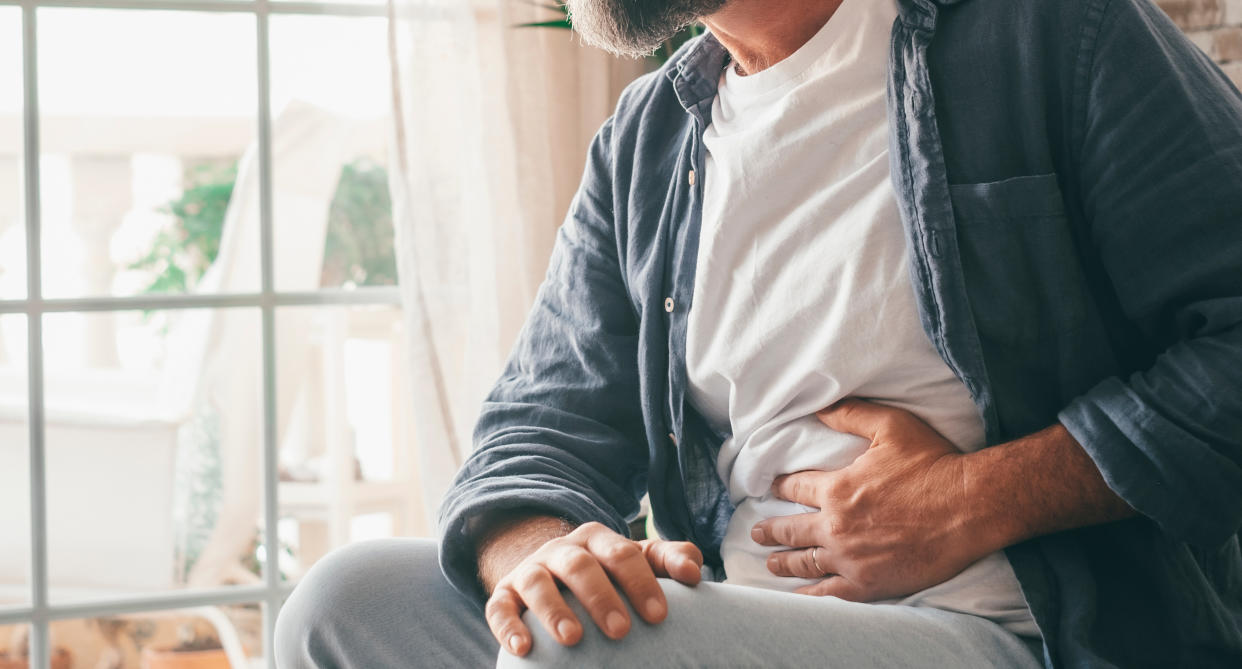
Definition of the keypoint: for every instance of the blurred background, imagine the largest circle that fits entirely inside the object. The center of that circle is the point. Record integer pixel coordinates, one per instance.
(282, 252)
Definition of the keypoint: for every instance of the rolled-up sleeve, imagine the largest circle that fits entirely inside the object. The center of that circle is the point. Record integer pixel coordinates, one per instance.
(1161, 184)
(561, 431)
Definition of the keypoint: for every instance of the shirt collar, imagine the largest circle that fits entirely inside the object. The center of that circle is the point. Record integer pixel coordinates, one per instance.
(695, 73)
(695, 69)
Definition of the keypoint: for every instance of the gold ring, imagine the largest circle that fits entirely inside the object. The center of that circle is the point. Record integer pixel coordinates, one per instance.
(821, 570)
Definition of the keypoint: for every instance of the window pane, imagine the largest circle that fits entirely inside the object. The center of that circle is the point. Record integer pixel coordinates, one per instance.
(149, 170)
(14, 465)
(154, 451)
(12, 211)
(200, 637)
(347, 466)
(330, 126)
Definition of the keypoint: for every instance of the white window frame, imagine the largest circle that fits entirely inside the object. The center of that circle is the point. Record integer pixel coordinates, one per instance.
(40, 613)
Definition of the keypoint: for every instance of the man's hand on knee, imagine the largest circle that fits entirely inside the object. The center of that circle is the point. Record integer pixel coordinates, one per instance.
(591, 561)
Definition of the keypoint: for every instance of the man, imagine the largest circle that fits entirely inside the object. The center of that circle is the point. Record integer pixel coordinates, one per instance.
(1066, 178)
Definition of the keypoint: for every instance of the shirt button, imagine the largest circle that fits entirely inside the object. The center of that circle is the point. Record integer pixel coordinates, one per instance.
(673, 438)
(668, 304)
(690, 177)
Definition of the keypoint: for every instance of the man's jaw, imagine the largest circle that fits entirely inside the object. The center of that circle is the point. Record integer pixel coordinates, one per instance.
(635, 28)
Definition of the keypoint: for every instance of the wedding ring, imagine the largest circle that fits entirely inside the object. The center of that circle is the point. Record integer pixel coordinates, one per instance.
(821, 570)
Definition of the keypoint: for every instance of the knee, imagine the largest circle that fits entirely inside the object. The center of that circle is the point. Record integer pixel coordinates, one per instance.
(340, 591)
(645, 644)
(593, 650)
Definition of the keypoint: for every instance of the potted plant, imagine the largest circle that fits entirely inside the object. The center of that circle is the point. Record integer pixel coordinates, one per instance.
(61, 659)
(193, 651)
(18, 657)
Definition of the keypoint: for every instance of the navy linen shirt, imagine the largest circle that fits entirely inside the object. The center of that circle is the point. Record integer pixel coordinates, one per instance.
(1069, 176)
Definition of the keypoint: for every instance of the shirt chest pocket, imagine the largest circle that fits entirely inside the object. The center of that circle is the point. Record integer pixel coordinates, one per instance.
(1020, 262)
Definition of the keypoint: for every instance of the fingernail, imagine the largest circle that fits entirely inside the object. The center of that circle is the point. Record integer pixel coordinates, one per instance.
(654, 608)
(515, 642)
(615, 622)
(565, 628)
(757, 534)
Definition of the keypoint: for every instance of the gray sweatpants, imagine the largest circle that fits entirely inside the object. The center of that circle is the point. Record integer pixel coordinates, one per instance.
(385, 603)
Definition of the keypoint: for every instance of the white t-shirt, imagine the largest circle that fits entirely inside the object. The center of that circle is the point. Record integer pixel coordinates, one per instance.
(803, 294)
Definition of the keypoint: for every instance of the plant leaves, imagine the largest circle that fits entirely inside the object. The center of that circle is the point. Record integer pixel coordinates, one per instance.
(562, 23)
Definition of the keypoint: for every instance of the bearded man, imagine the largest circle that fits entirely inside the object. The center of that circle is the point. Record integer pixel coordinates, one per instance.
(920, 323)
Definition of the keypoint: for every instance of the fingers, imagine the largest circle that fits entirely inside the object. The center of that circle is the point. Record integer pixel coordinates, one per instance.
(837, 586)
(855, 416)
(592, 562)
(625, 562)
(535, 586)
(805, 487)
(678, 560)
(504, 617)
(800, 563)
(582, 573)
(797, 531)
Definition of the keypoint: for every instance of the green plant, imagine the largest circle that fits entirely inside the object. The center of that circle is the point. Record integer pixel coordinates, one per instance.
(660, 55)
(186, 247)
(358, 248)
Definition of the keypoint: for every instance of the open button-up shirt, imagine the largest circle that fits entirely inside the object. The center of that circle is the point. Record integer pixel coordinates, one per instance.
(1069, 176)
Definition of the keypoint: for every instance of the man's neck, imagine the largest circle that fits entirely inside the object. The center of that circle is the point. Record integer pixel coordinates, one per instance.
(761, 33)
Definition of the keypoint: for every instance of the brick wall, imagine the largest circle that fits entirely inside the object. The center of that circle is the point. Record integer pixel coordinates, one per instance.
(1214, 25)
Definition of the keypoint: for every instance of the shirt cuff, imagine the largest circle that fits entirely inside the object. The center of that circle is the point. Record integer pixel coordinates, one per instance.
(474, 500)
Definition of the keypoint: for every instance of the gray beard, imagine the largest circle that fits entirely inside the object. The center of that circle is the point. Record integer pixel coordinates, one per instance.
(635, 28)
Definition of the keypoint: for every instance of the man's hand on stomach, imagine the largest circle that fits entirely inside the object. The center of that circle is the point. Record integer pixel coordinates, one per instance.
(898, 519)
(525, 560)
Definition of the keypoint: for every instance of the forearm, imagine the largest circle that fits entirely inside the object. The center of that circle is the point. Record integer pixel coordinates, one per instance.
(1036, 485)
(510, 537)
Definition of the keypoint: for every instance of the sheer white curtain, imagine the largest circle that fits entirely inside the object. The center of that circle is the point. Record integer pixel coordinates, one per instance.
(492, 124)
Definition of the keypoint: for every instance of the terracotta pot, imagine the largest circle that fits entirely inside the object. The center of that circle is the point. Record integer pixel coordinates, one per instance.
(154, 658)
(61, 659)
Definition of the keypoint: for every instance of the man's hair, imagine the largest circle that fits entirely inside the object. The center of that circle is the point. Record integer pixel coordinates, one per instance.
(635, 28)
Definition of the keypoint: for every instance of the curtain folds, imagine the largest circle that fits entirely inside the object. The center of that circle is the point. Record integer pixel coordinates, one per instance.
(491, 127)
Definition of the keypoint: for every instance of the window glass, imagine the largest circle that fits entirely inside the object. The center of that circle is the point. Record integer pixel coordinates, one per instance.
(14, 465)
(12, 209)
(149, 172)
(204, 636)
(154, 424)
(347, 466)
(331, 106)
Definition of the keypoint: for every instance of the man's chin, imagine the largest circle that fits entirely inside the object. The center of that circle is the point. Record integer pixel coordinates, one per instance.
(624, 48)
(618, 39)
(634, 28)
